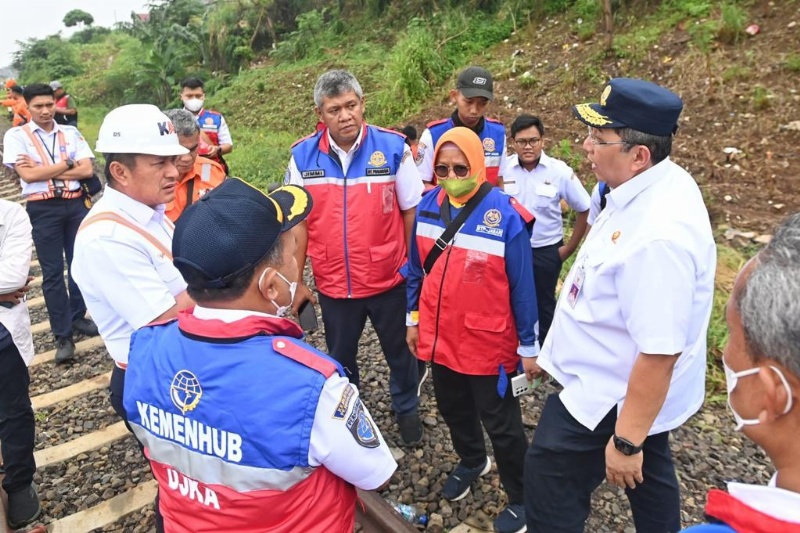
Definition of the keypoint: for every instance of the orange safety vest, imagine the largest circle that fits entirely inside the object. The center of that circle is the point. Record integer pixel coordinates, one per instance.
(55, 191)
(205, 176)
(20, 110)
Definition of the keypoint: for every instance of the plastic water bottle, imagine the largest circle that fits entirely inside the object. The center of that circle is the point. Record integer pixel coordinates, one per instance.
(409, 513)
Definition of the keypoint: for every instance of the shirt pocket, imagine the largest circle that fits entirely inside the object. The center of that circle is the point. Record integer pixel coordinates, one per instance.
(484, 329)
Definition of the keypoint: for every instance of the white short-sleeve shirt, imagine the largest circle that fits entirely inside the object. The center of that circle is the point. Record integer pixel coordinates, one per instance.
(126, 281)
(332, 443)
(541, 190)
(648, 268)
(16, 142)
(408, 187)
(16, 244)
(594, 207)
(224, 133)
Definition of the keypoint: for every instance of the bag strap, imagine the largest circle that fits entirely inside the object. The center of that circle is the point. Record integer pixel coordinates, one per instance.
(604, 190)
(113, 217)
(453, 225)
(190, 192)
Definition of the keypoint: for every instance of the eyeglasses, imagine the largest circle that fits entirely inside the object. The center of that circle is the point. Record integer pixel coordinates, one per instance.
(522, 143)
(443, 171)
(598, 142)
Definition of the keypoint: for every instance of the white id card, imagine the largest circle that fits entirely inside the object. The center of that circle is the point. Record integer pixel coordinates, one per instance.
(575, 287)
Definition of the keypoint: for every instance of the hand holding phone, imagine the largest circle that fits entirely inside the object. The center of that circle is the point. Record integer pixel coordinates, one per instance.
(307, 316)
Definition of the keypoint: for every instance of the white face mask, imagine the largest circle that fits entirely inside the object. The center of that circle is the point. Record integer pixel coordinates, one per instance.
(193, 104)
(732, 378)
(281, 310)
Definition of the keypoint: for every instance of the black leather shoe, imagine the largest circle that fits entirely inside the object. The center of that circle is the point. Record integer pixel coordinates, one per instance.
(23, 508)
(410, 429)
(65, 349)
(86, 326)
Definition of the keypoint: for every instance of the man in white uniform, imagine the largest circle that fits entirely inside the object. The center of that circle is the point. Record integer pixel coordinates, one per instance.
(540, 182)
(628, 341)
(17, 426)
(123, 252)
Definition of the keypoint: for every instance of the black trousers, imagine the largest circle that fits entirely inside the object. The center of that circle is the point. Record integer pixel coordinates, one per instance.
(344, 320)
(546, 269)
(117, 390)
(17, 425)
(55, 224)
(566, 462)
(464, 402)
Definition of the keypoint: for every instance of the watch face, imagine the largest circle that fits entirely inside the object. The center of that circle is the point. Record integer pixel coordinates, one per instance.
(625, 447)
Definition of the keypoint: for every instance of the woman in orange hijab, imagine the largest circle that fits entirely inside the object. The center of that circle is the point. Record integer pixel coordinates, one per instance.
(472, 314)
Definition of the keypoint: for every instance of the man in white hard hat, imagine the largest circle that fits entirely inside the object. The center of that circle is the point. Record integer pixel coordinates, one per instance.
(123, 252)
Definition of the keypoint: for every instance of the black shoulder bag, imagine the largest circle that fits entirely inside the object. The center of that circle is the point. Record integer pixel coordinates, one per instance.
(453, 225)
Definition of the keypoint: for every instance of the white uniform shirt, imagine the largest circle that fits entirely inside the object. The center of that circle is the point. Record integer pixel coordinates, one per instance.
(224, 133)
(594, 206)
(425, 149)
(16, 244)
(408, 187)
(332, 444)
(125, 280)
(17, 142)
(648, 283)
(541, 190)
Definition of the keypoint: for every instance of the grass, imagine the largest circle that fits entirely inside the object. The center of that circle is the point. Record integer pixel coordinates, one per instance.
(793, 62)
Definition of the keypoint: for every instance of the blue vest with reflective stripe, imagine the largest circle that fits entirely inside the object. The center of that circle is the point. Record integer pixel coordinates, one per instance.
(240, 387)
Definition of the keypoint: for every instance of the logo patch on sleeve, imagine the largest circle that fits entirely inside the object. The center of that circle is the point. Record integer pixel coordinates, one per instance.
(361, 427)
(341, 408)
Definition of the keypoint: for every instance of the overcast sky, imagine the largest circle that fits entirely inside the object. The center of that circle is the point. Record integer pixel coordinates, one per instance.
(38, 18)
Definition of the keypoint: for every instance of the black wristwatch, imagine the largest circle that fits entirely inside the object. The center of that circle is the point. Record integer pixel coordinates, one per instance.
(70, 164)
(626, 447)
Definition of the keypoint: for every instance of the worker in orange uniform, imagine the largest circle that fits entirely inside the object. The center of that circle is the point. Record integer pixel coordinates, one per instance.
(198, 175)
(15, 101)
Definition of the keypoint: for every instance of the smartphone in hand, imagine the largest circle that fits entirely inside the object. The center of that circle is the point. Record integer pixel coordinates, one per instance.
(307, 317)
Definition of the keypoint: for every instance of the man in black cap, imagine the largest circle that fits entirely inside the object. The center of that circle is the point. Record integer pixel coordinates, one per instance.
(258, 423)
(473, 91)
(628, 340)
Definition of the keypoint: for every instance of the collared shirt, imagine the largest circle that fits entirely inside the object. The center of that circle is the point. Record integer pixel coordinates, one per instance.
(648, 282)
(541, 190)
(408, 187)
(125, 280)
(16, 244)
(332, 444)
(594, 206)
(16, 142)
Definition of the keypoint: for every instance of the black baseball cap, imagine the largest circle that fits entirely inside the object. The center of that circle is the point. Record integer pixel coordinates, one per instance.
(631, 103)
(233, 228)
(475, 81)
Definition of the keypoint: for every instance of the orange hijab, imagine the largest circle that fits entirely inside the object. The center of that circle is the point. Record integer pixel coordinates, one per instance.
(470, 145)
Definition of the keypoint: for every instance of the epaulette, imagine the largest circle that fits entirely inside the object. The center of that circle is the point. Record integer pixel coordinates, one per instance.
(303, 355)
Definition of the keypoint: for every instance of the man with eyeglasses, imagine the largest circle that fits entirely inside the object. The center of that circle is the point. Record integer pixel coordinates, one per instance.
(540, 182)
(628, 340)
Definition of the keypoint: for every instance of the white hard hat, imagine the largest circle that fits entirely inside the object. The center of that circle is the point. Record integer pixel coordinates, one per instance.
(138, 129)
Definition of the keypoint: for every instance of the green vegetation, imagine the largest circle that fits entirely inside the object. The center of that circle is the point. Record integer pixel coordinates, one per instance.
(793, 62)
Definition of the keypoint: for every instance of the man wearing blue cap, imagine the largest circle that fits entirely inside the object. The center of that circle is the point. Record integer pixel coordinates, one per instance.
(628, 340)
(266, 431)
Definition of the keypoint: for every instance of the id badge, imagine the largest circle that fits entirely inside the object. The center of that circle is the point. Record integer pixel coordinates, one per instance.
(575, 288)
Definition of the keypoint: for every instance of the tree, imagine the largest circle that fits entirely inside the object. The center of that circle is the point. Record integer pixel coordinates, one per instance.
(77, 16)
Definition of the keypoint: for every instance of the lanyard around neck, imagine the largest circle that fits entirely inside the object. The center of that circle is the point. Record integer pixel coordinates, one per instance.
(50, 151)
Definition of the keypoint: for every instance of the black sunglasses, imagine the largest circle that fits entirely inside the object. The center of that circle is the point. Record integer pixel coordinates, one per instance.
(443, 171)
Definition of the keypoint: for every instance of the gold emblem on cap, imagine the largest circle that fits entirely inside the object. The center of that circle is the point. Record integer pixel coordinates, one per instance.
(605, 95)
(488, 144)
(377, 159)
(591, 116)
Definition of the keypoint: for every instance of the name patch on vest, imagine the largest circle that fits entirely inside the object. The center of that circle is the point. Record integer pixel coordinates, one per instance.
(312, 174)
(361, 427)
(379, 171)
